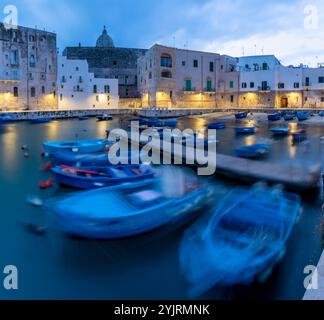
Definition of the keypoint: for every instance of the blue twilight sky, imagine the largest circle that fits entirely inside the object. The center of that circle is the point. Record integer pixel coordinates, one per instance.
(292, 29)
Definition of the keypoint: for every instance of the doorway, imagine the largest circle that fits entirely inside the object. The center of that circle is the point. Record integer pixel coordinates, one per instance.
(284, 103)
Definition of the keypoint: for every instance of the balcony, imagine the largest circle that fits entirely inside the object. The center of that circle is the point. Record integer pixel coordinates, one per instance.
(189, 91)
(210, 90)
(307, 85)
(13, 78)
(264, 89)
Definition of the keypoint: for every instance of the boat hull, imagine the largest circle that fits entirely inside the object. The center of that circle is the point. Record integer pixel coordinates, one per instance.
(75, 146)
(87, 183)
(138, 222)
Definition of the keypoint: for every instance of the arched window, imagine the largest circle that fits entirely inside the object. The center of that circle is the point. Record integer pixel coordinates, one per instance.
(33, 92)
(166, 60)
(166, 74)
(150, 75)
(32, 61)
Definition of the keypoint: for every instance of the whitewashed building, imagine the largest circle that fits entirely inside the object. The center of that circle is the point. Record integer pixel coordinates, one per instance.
(79, 89)
(179, 78)
(266, 83)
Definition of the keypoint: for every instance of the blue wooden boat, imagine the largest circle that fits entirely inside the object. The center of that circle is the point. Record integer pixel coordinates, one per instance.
(245, 130)
(280, 131)
(82, 146)
(299, 136)
(274, 117)
(241, 115)
(40, 120)
(100, 177)
(130, 209)
(217, 125)
(105, 117)
(302, 115)
(7, 118)
(290, 116)
(253, 151)
(321, 114)
(243, 241)
(83, 118)
(167, 123)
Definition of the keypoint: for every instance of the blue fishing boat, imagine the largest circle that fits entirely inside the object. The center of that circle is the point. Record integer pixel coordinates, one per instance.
(167, 123)
(105, 117)
(243, 241)
(100, 177)
(245, 130)
(7, 118)
(241, 115)
(217, 125)
(40, 120)
(299, 136)
(302, 115)
(290, 116)
(78, 159)
(131, 209)
(280, 131)
(274, 117)
(253, 151)
(83, 118)
(82, 146)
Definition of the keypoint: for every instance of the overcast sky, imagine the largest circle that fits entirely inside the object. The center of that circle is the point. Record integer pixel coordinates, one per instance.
(290, 29)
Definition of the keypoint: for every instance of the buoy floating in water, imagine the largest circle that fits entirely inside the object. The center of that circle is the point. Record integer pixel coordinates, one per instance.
(46, 184)
(47, 166)
(42, 153)
(24, 147)
(26, 154)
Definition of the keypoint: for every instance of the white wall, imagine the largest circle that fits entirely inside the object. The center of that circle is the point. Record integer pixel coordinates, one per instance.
(76, 87)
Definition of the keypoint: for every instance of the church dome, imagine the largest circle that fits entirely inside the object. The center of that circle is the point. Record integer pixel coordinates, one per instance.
(105, 41)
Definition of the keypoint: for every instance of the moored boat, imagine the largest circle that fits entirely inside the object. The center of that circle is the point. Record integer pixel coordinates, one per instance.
(83, 118)
(40, 120)
(274, 117)
(243, 241)
(280, 131)
(241, 115)
(254, 151)
(104, 117)
(7, 118)
(299, 136)
(321, 114)
(290, 116)
(131, 209)
(217, 125)
(100, 177)
(82, 146)
(245, 130)
(302, 115)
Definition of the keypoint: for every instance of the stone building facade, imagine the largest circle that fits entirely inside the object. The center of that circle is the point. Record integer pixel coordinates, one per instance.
(177, 78)
(28, 69)
(107, 61)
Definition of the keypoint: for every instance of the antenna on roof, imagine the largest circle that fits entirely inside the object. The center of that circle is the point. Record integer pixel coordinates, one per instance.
(174, 41)
(262, 51)
(255, 49)
(243, 51)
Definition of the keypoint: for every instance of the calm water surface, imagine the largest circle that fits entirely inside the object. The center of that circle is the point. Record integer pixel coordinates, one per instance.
(57, 267)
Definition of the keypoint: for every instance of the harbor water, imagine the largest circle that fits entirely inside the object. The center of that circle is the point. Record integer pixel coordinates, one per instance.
(55, 266)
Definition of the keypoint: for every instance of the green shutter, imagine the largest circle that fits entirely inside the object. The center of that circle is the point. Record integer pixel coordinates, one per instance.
(209, 85)
(188, 85)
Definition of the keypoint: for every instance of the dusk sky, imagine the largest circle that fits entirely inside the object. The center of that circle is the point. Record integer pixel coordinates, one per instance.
(228, 27)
